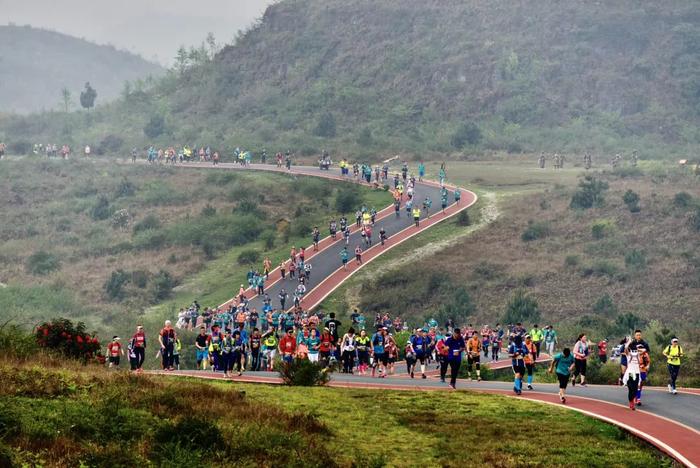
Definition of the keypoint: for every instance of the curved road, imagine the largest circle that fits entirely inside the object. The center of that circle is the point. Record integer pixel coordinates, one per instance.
(670, 422)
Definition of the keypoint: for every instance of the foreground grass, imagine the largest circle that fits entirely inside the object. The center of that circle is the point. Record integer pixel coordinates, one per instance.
(73, 415)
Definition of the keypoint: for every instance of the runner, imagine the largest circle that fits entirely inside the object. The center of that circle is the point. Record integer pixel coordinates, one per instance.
(443, 199)
(632, 374)
(115, 351)
(382, 235)
(270, 349)
(644, 363)
(421, 171)
(201, 343)
(550, 339)
(673, 354)
(288, 346)
(455, 346)
(316, 235)
(563, 363)
(358, 255)
(517, 353)
(255, 350)
(267, 267)
(344, 257)
(530, 358)
(474, 356)
(333, 228)
(421, 343)
(139, 347)
(347, 347)
(416, 216)
(603, 351)
(313, 343)
(458, 195)
(377, 347)
(537, 336)
(346, 235)
(442, 352)
(363, 347)
(580, 356)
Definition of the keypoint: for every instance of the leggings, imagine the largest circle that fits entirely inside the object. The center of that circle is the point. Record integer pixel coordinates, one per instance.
(140, 356)
(454, 370)
(443, 367)
(348, 361)
(255, 359)
(673, 371)
(632, 384)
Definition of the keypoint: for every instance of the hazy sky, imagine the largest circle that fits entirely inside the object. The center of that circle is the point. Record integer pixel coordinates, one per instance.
(151, 28)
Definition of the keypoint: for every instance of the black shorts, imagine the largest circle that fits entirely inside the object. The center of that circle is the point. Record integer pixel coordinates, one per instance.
(473, 360)
(580, 367)
(114, 360)
(563, 380)
(519, 369)
(421, 358)
(381, 358)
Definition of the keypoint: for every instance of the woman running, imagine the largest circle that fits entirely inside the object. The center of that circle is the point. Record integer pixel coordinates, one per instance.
(563, 364)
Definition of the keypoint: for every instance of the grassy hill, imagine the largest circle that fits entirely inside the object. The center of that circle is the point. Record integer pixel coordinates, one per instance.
(103, 243)
(431, 77)
(36, 64)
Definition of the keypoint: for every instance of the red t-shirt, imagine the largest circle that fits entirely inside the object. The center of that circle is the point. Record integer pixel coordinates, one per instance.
(114, 348)
(140, 340)
(288, 344)
(602, 348)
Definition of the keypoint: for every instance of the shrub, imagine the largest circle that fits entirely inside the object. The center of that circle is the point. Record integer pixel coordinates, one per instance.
(602, 228)
(682, 200)
(694, 220)
(248, 257)
(572, 261)
(302, 227)
(162, 286)
(15, 342)
(590, 193)
(458, 308)
(42, 263)
(467, 133)
(120, 219)
(635, 259)
(601, 268)
(269, 240)
(605, 306)
(348, 199)
(209, 249)
(191, 433)
(208, 211)
(463, 218)
(125, 189)
(101, 209)
(20, 147)
(114, 286)
(522, 308)
(110, 144)
(139, 278)
(249, 207)
(626, 323)
(151, 221)
(631, 199)
(150, 240)
(68, 339)
(304, 373)
(535, 231)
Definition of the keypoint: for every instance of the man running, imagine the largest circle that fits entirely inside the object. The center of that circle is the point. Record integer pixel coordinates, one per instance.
(139, 347)
(421, 343)
(344, 257)
(455, 346)
(416, 216)
(358, 255)
(377, 347)
(316, 235)
(115, 351)
(530, 359)
(201, 343)
(474, 356)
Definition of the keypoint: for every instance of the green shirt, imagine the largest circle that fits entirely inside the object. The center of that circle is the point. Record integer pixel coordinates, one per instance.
(563, 363)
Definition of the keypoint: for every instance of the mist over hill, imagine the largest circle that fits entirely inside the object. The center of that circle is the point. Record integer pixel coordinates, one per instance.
(36, 64)
(438, 76)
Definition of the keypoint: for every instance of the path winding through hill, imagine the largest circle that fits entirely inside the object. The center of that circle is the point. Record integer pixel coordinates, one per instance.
(669, 422)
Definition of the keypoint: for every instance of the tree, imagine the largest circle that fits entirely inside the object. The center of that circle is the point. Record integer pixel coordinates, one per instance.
(590, 193)
(181, 60)
(88, 96)
(213, 47)
(325, 126)
(155, 127)
(631, 199)
(66, 98)
(467, 133)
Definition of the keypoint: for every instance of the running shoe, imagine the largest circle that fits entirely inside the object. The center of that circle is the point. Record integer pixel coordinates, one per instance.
(675, 392)
(670, 390)
(424, 377)
(412, 374)
(563, 400)
(632, 407)
(478, 379)
(529, 387)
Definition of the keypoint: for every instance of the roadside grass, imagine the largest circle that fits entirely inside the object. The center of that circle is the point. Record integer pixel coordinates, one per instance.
(436, 428)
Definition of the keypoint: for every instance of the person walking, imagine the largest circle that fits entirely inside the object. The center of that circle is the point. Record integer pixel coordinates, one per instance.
(416, 216)
(563, 364)
(537, 336)
(517, 352)
(344, 257)
(348, 345)
(603, 351)
(673, 354)
(581, 357)
(474, 347)
(139, 347)
(632, 375)
(550, 339)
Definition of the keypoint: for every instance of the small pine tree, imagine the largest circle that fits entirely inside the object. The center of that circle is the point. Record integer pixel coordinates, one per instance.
(88, 96)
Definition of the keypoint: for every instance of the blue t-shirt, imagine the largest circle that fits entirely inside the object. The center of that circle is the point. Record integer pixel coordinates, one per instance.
(455, 346)
(563, 363)
(378, 343)
(522, 350)
(420, 344)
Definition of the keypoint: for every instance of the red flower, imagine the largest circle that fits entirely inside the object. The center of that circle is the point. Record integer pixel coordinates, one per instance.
(79, 339)
(46, 331)
(64, 334)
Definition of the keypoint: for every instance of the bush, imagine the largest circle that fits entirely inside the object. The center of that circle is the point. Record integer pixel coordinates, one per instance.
(602, 228)
(150, 240)
(71, 341)
(15, 342)
(302, 227)
(572, 261)
(347, 200)
(605, 306)
(682, 200)
(631, 199)
(248, 257)
(463, 218)
(535, 231)
(101, 209)
(208, 211)
(628, 322)
(269, 240)
(192, 433)
(635, 259)
(162, 286)
(140, 278)
(249, 207)
(601, 268)
(590, 193)
(303, 373)
(125, 189)
(151, 221)
(42, 263)
(522, 308)
(467, 133)
(110, 144)
(694, 220)
(19, 147)
(114, 286)
(120, 219)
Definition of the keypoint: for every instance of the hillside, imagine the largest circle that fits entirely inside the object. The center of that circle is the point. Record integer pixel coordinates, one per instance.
(36, 64)
(436, 77)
